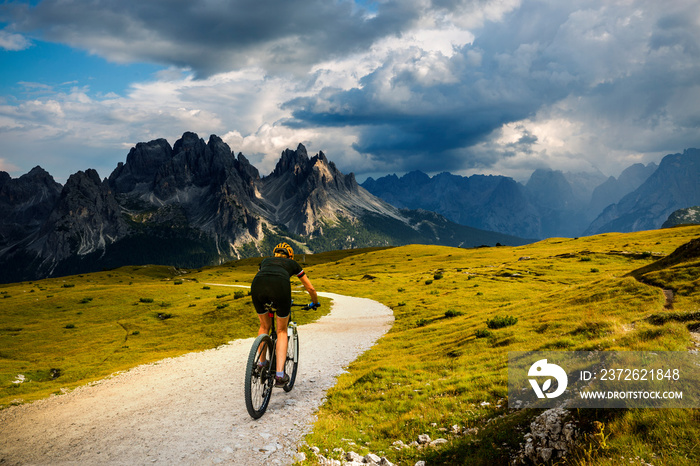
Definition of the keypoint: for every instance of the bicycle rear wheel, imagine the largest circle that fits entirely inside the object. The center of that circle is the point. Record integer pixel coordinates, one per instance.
(258, 378)
(290, 365)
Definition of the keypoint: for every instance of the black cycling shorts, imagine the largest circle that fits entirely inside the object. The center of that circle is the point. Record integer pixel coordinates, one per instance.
(271, 289)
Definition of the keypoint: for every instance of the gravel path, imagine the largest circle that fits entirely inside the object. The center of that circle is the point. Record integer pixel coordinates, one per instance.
(190, 409)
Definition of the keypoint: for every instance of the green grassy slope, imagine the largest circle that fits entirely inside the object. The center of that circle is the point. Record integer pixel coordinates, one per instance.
(440, 363)
(64, 332)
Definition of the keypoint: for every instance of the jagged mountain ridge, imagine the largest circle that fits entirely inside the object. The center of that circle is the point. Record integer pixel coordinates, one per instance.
(25, 203)
(673, 186)
(488, 202)
(194, 204)
(551, 203)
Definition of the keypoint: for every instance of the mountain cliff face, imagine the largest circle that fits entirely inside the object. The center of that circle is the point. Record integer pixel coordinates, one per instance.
(494, 203)
(304, 193)
(194, 204)
(25, 203)
(614, 189)
(551, 203)
(674, 185)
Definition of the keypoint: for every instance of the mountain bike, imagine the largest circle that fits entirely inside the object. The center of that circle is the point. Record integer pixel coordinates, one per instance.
(262, 362)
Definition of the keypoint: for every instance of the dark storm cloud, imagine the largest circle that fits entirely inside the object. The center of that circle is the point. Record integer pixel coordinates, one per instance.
(504, 76)
(625, 66)
(212, 36)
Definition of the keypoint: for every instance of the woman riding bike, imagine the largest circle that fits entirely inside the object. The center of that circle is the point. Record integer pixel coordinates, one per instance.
(271, 285)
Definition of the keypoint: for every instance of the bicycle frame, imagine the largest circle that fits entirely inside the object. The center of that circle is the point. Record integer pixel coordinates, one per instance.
(260, 377)
(273, 331)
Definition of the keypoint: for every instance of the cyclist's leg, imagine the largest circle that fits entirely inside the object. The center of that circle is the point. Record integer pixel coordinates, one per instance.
(281, 342)
(282, 302)
(258, 291)
(259, 294)
(265, 323)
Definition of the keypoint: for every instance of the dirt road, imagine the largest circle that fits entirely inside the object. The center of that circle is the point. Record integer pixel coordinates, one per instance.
(190, 409)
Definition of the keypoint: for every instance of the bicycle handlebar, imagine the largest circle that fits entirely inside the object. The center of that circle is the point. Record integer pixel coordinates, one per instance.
(307, 306)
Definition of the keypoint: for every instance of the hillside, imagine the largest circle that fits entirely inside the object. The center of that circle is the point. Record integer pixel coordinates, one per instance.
(440, 365)
(687, 216)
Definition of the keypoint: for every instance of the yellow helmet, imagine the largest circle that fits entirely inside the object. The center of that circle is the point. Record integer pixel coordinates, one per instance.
(285, 250)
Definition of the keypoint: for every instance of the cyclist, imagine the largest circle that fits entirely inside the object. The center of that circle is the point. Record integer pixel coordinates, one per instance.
(271, 285)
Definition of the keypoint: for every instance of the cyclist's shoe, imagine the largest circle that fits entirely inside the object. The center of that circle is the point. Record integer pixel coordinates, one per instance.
(281, 381)
(260, 367)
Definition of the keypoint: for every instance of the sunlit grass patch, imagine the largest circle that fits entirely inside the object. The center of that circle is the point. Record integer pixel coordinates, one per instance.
(111, 321)
(453, 369)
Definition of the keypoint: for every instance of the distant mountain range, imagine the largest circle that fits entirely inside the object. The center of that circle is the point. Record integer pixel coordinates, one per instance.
(195, 204)
(553, 203)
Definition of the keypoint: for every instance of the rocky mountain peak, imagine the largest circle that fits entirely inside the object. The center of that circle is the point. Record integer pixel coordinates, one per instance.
(29, 188)
(672, 186)
(86, 217)
(295, 161)
(4, 178)
(25, 203)
(38, 173)
(194, 163)
(544, 183)
(248, 171)
(142, 163)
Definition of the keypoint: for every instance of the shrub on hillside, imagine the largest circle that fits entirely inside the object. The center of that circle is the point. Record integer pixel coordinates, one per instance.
(421, 322)
(500, 322)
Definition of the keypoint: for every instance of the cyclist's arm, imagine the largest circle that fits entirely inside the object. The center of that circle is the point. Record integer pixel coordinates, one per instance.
(309, 288)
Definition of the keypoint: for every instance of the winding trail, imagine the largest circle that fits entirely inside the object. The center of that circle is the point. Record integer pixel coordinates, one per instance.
(190, 409)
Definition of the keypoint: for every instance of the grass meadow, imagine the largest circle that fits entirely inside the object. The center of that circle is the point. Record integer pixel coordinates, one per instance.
(440, 365)
(64, 332)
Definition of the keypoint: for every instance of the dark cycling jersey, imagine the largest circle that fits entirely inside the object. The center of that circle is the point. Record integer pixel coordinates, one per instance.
(280, 267)
(271, 284)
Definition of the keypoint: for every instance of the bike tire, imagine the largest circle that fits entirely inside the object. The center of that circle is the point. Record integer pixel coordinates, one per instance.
(290, 365)
(259, 382)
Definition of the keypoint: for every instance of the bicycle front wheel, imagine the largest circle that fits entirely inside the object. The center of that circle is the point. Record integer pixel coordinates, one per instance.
(290, 365)
(258, 376)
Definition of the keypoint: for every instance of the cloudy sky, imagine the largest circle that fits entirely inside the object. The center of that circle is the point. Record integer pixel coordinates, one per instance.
(381, 86)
